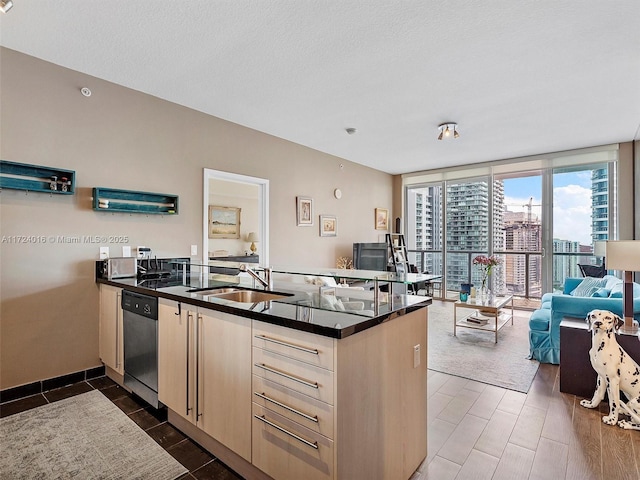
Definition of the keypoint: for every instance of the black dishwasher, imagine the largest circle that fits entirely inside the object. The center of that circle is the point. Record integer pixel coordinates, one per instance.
(140, 318)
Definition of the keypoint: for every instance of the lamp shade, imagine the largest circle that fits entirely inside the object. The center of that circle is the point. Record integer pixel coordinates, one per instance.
(252, 237)
(600, 248)
(623, 255)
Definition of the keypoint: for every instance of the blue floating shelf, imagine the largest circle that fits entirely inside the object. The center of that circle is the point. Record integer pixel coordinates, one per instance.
(129, 201)
(36, 178)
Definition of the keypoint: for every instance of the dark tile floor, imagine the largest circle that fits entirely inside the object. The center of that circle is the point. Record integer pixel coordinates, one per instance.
(200, 463)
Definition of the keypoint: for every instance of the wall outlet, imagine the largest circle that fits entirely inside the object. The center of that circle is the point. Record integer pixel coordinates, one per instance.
(104, 253)
(194, 250)
(416, 356)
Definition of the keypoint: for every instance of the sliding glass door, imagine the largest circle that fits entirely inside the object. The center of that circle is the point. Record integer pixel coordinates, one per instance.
(522, 221)
(582, 210)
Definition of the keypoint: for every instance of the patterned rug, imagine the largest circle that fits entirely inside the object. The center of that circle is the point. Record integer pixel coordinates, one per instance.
(85, 437)
(473, 354)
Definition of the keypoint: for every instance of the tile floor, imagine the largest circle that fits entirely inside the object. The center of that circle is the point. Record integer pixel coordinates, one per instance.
(201, 464)
(475, 431)
(479, 431)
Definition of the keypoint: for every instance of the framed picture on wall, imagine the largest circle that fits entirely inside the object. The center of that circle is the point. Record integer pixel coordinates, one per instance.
(224, 222)
(328, 226)
(382, 219)
(304, 211)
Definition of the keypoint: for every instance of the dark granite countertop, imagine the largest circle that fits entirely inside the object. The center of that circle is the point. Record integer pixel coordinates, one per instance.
(303, 309)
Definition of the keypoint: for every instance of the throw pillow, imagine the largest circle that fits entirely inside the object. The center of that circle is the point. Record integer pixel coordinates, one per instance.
(601, 293)
(588, 287)
(616, 291)
(611, 281)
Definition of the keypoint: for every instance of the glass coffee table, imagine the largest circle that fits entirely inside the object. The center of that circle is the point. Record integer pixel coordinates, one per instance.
(490, 315)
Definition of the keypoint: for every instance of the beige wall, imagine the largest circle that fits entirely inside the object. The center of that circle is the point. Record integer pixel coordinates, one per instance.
(125, 139)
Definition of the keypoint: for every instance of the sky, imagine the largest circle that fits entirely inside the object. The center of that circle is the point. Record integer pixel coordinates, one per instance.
(571, 202)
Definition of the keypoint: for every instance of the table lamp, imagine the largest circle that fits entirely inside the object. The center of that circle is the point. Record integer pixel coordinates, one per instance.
(600, 250)
(253, 238)
(625, 255)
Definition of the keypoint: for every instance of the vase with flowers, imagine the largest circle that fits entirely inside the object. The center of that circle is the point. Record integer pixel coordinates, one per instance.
(486, 265)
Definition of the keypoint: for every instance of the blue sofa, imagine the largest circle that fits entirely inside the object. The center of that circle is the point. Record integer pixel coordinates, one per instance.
(544, 324)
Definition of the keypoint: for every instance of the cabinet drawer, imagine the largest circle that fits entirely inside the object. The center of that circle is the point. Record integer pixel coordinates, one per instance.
(304, 378)
(309, 412)
(304, 346)
(286, 450)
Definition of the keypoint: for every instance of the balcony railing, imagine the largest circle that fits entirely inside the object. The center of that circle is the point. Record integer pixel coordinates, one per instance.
(520, 271)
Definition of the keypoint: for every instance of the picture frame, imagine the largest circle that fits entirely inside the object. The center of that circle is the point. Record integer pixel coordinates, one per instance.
(328, 226)
(382, 219)
(304, 211)
(224, 222)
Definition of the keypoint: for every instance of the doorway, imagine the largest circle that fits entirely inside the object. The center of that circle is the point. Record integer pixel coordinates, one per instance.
(261, 214)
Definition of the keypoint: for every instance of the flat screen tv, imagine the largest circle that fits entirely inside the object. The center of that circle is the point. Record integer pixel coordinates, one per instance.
(370, 256)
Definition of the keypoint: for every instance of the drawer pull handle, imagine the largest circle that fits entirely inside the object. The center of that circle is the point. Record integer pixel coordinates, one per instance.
(284, 430)
(287, 407)
(286, 375)
(313, 351)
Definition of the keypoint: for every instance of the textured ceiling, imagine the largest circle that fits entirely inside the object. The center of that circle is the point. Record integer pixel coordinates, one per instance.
(519, 77)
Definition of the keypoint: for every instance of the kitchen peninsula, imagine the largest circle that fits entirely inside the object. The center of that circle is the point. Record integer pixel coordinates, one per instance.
(320, 383)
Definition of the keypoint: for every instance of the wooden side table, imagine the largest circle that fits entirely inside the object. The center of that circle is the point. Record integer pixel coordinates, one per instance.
(577, 375)
(491, 308)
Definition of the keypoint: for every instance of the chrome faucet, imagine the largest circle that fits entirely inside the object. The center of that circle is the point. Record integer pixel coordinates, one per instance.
(266, 282)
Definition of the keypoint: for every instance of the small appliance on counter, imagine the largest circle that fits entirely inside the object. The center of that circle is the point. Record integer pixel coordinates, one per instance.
(120, 267)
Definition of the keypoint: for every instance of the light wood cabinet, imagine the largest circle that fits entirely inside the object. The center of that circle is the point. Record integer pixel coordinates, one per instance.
(111, 345)
(176, 358)
(381, 400)
(274, 402)
(204, 371)
(293, 403)
(372, 387)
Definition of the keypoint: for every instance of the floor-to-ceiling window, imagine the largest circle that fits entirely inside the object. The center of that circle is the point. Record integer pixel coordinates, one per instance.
(580, 217)
(517, 214)
(467, 220)
(521, 223)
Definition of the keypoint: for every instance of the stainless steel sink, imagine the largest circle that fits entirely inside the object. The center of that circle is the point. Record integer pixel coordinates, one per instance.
(240, 295)
(249, 296)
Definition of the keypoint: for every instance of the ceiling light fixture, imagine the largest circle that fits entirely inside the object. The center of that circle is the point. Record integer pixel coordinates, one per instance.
(350, 130)
(448, 130)
(5, 5)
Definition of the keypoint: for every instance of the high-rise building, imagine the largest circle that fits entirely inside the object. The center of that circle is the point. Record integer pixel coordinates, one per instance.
(467, 226)
(523, 232)
(469, 230)
(424, 231)
(564, 265)
(599, 204)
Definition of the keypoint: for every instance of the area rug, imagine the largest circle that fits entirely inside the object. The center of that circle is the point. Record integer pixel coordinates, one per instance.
(473, 354)
(84, 437)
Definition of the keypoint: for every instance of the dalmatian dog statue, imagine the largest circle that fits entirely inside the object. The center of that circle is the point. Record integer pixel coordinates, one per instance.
(616, 371)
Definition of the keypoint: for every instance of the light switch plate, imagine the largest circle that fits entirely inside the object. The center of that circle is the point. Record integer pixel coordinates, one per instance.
(416, 356)
(194, 250)
(104, 253)
(126, 251)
